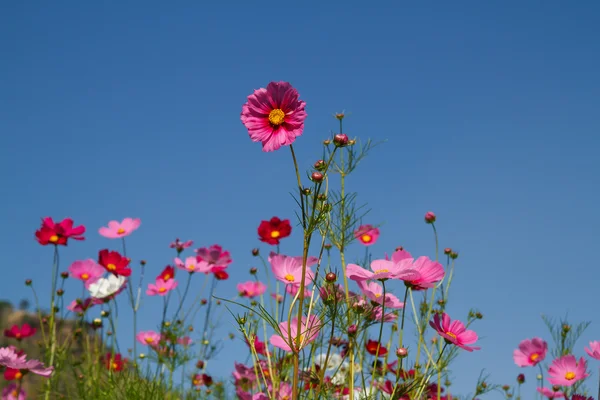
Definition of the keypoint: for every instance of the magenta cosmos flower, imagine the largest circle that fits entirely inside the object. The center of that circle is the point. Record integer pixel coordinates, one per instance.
(192, 264)
(530, 352)
(13, 392)
(160, 287)
(251, 289)
(454, 332)
(382, 269)
(121, 229)
(594, 350)
(89, 271)
(418, 274)
(289, 269)
(214, 255)
(309, 330)
(374, 292)
(10, 359)
(367, 234)
(274, 116)
(566, 370)
(149, 338)
(551, 394)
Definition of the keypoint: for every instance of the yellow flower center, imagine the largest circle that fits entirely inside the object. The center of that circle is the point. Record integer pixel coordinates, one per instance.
(190, 267)
(54, 238)
(534, 357)
(381, 271)
(289, 278)
(452, 335)
(85, 277)
(111, 267)
(276, 117)
(150, 339)
(166, 277)
(121, 231)
(115, 365)
(570, 375)
(18, 335)
(366, 238)
(18, 375)
(377, 295)
(275, 234)
(162, 290)
(196, 382)
(15, 393)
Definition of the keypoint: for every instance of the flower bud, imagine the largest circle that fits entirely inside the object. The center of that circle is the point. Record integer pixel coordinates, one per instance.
(351, 142)
(253, 271)
(104, 313)
(401, 352)
(330, 277)
(539, 377)
(556, 388)
(320, 165)
(429, 217)
(521, 378)
(339, 116)
(28, 282)
(316, 177)
(200, 364)
(352, 329)
(399, 248)
(506, 388)
(478, 315)
(326, 142)
(64, 274)
(453, 255)
(447, 251)
(143, 262)
(327, 246)
(255, 252)
(306, 191)
(60, 292)
(340, 140)
(566, 328)
(203, 302)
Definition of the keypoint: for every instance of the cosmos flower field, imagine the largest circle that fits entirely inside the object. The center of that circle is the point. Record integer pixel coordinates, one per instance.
(315, 324)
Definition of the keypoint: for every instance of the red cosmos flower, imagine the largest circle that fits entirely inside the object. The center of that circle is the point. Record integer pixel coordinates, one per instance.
(114, 262)
(58, 233)
(273, 230)
(115, 363)
(11, 374)
(23, 332)
(167, 273)
(371, 347)
(220, 273)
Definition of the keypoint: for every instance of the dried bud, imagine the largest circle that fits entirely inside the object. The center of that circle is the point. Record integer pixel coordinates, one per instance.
(521, 378)
(351, 142)
(453, 255)
(326, 142)
(143, 262)
(566, 328)
(441, 302)
(60, 292)
(64, 274)
(330, 277)
(340, 116)
(255, 252)
(231, 336)
(28, 282)
(253, 271)
(316, 177)
(556, 388)
(539, 377)
(429, 217)
(401, 352)
(478, 315)
(200, 364)
(447, 251)
(320, 165)
(321, 197)
(340, 140)
(327, 246)
(108, 333)
(352, 329)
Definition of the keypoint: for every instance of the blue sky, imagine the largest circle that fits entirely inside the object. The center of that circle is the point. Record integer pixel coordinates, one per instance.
(489, 109)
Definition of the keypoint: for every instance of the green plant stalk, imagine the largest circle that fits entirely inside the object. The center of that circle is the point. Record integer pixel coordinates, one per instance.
(52, 322)
(400, 342)
(379, 338)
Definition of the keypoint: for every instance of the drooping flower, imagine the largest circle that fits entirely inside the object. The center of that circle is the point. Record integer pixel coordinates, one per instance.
(121, 229)
(551, 394)
(274, 230)
(530, 352)
(382, 270)
(418, 274)
(274, 116)
(454, 332)
(104, 288)
(374, 292)
(80, 306)
(566, 370)
(375, 348)
(309, 330)
(251, 289)
(10, 359)
(89, 271)
(214, 255)
(20, 333)
(160, 287)
(167, 273)
(114, 262)
(367, 234)
(289, 269)
(181, 246)
(13, 392)
(114, 362)
(149, 338)
(192, 264)
(594, 350)
(58, 233)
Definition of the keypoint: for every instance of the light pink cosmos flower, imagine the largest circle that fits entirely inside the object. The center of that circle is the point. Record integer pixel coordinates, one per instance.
(374, 292)
(454, 332)
(566, 370)
(530, 352)
(551, 394)
(367, 234)
(214, 255)
(251, 289)
(192, 264)
(289, 269)
(274, 116)
(88, 271)
(185, 341)
(161, 288)
(285, 391)
(309, 330)
(418, 274)
(149, 338)
(12, 392)
(594, 350)
(10, 359)
(382, 270)
(121, 229)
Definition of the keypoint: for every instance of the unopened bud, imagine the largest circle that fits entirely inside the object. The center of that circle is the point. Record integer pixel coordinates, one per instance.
(104, 313)
(340, 116)
(521, 378)
(28, 282)
(255, 252)
(200, 364)
(327, 246)
(478, 315)
(306, 191)
(64, 274)
(60, 292)
(142, 356)
(453, 255)
(399, 248)
(327, 142)
(340, 140)
(401, 352)
(330, 277)
(320, 165)
(351, 142)
(539, 377)
(429, 217)
(447, 250)
(253, 271)
(203, 302)
(143, 262)
(506, 388)
(352, 329)
(316, 177)
(566, 328)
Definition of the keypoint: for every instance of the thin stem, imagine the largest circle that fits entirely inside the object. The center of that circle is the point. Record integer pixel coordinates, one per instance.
(52, 321)
(379, 338)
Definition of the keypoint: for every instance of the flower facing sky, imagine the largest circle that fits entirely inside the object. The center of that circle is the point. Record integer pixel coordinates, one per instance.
(121, 229)
(274, 116)
(382, 269)
(20, 333)
(251, 289)
(167, 273)
(454, 332)
(289, 269)
(192, 264)
(418, 274)
(272, 231)
(105, 287)
(114, 262)
(367, 234)
(149, 338)
(58, 233)
(309, 330)
(214, 255)
(530, 352)
(566, 370)
(160, 287)
(88, 271)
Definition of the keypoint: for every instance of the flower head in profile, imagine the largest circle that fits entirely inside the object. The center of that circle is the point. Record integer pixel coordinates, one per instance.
(116, 229)
(20, 333)
(309, 330)
(13, 392)
(58, 233)
(374, 292)
(530, 352)
(289, 269)
(105, 288)
(551, 394)
(566, 370)
(89, 271)
(220, 273)
(367, 234)
(160, 287)
(581, 397)
(10, 359)
(272, 231)
(418, 274)
(594, 350)
(114, 262)
(251, 289)
(149, 338)
(454, 332)
(181, 246)
(274, 116)
(214, 255)
(375, 348)
(80, 306)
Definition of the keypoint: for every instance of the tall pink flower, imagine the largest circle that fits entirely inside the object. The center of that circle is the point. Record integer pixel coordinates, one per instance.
(121, 229)
(274, 116)
(551, 394)
(454, 332)
(566, 370)
(374, 292)
(418, 274)
(89, 271)
(149, 338)
(530, 352)
(161, 288)
(10, 359)
(13, 392)
(367, 234)
(309, 330)
(251, 289)
(382, 269)
(214, 255)
(192, 264)
(594, 350)
(289, 269)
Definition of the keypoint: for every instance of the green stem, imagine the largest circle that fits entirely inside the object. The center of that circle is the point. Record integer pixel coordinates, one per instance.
(52, 322)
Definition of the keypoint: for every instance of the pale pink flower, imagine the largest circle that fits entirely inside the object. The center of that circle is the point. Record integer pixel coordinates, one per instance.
(374, 292)
(89, 271)
(12, 392)
(149, 338)
(274, 116)
(367, 234)
(161, 288)
(121, 229)
(551, 394)
(382, 270)
(418, 274)
(10, 359)
(309, 330)
(214, 255)
(594, 350)
(251, 289)
(192, 264)
(185, 341)
(454, 332)
(285, 391)
(566, 370)
(530, 352)
(289, 269)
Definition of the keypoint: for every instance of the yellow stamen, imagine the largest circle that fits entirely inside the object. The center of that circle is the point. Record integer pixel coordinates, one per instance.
(190, 267)
(85, 277)
(570, 375)
(166, 277)
(275, 234)
(54, 238)
(366, 238)
(377, 295)
(162, 290)
(115, 365)
(289, 278)
(18, 375)
(534, 357)
(381, 271)
(15, 394)
(452, 335)
(120, 231)
(276, 117)
(150, 339)
(111, 267)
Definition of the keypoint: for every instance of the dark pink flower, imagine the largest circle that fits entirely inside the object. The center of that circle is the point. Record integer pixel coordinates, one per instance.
(214, 255)
(566, 370)
(367, 234)
(251, 289)
(309, 330)
(594, 350)
(454, 332)
(58, 233)
(551, 394)
(530, 352)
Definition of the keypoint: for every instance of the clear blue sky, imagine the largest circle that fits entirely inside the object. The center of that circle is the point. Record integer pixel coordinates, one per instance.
(490, 111)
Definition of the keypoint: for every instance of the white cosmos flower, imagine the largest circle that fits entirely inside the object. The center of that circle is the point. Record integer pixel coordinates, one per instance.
(334, 361)
(105, 287)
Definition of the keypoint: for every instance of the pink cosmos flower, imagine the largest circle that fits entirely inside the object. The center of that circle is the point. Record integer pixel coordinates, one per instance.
(58, 233)
(418, 274)
(10, 359)
(149, 338)
(367, 234)
(454, 332)
(551, 394)
(294, 288)
(89, 271)
(274, 116)
(214, 255)
(594, 350)
(251, 289)
(121, 229)
(12, 392)
(192, 264)
(382, 269)
(243, 374)
(309, 330)
(374, 292)
(377, 314)
(184, 341)
(530, 352)
(285, 391)
(180, 246)
(161, 288)
(80, 306)
(289, 269)
(566, 370)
